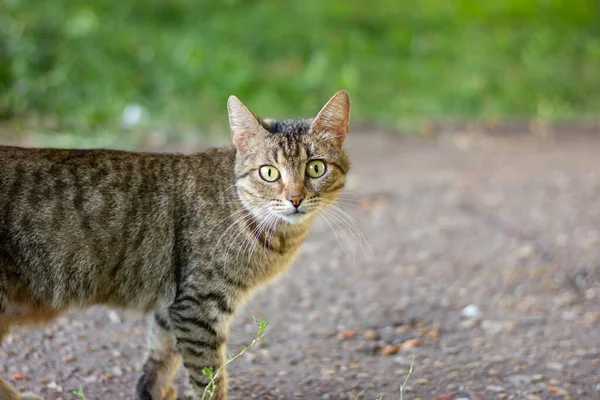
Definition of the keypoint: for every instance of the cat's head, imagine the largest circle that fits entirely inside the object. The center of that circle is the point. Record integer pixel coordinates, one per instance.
(290, 169)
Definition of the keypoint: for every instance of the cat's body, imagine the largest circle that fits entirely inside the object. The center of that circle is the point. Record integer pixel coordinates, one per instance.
(185, 238)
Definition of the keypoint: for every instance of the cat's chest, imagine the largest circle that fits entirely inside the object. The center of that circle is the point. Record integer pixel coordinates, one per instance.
(272, 260)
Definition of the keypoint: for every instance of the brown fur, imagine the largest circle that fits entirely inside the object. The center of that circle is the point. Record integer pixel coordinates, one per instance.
(182, 238)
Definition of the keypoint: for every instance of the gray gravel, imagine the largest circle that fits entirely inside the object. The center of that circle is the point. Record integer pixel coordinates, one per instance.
(507, 228)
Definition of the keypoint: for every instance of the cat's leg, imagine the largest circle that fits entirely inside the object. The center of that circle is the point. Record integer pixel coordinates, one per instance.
(162, 363)
(201, 332)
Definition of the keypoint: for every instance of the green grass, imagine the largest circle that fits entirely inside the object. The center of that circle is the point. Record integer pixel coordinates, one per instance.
(79, 392)
(75, 65)
(210, 389)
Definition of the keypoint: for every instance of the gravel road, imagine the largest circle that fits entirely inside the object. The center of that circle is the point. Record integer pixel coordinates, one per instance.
(485, 266)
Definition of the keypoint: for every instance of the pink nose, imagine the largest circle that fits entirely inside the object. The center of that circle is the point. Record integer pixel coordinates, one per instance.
(296, 199)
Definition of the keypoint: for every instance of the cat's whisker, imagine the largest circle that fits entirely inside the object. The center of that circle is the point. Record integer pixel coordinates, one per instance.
(324, 216)
(261, 229)
(239, 231)
(344, 203)
(239, 210)
(351, 225)
(344, 226)
(249, 238)
(234, 223)
(258, 217)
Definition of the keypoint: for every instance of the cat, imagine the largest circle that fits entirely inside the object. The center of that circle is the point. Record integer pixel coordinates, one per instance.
(183, 238)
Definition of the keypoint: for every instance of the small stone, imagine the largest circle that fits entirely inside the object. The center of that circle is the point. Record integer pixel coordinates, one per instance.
(497, 327)
(537, 378)
(409, 344)
(591, 317)
(116, 371)
(553, 382)
(525, 252)
(114, 317)
(555, 366)
(422, 381)
(54, 386)
(17, 376)
(68, 358)
(471, 312)
(494, 388)
(347, 334)
(519, 380)
(390, 350)
(370, 334)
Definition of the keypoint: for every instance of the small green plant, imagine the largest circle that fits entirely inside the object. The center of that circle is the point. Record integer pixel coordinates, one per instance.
(412, 363)
(209, 391)
(79, 392)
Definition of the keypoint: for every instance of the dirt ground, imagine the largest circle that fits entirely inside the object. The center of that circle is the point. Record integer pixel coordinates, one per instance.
(485, 267)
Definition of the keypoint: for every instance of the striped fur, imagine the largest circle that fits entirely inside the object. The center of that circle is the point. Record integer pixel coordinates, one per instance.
(183, 238)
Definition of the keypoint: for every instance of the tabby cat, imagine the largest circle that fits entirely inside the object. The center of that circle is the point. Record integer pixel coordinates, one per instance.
(184, 238)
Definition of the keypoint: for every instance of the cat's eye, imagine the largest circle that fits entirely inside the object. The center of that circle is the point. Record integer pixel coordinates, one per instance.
(315, 168)
(269, 173)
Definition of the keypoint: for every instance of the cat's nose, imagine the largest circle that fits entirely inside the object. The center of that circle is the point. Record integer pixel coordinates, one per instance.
(295, 199)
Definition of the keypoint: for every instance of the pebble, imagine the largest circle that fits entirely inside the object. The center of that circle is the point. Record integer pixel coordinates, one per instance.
(494, 388)
(471, 312)
(114, 317)
(370, 334)
(537, 378)
(519, 380)
(54, 386)
(555, 366)
(497, 327)
(525, 252)
(347, 334)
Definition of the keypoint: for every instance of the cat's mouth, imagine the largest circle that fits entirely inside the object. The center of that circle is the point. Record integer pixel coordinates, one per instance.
(295, 216)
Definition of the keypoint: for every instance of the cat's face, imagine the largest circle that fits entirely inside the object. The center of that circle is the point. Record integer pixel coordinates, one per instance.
(290, 170)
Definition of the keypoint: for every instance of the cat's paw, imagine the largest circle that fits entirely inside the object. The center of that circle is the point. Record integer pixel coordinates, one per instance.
(170, 394)
(30, 396)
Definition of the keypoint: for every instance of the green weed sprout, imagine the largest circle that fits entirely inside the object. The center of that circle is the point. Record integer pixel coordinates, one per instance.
(79, 392)
(412, 363)
(209, 391)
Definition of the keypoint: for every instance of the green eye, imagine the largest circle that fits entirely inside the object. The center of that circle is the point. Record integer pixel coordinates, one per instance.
(315, 168)
(269, 173)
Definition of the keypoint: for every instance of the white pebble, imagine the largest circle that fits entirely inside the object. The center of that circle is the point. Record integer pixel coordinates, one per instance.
(471, 311)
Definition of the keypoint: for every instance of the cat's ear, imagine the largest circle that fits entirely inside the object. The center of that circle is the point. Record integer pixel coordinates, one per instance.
(243, 123)
(333, 118)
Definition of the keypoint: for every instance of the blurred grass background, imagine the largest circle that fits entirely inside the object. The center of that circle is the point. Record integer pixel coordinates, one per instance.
(75, 66)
